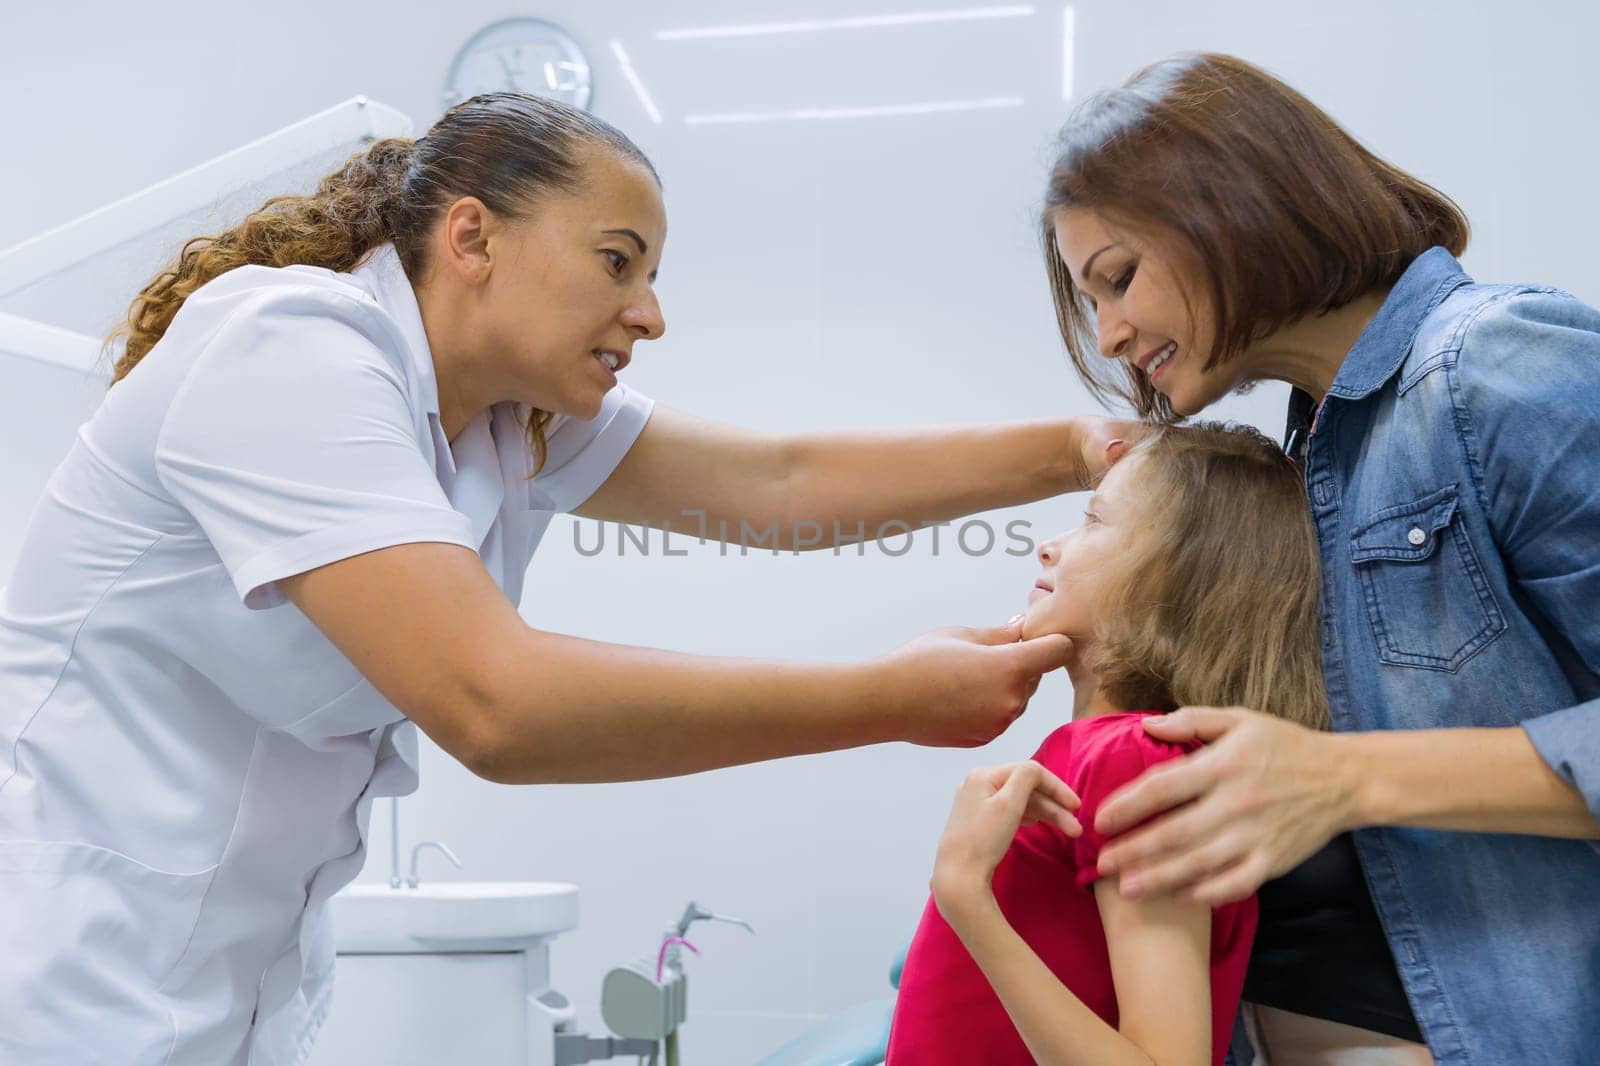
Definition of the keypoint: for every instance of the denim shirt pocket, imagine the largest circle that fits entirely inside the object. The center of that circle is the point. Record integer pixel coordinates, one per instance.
(1427, 600)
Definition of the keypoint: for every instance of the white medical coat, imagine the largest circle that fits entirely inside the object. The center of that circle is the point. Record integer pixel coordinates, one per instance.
(186, 764)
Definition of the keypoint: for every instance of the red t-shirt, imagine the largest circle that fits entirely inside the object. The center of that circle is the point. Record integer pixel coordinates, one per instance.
(948, 1013)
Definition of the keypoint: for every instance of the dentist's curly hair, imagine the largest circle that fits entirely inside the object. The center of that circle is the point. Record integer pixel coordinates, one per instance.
(1215, 600)
(506, 149)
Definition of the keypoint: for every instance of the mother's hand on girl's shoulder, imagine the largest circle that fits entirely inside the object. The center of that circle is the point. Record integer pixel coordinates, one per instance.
(1262, 796)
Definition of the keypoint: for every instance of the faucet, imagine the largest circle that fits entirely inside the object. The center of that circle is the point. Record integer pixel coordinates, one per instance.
(411, 882)
(394, 842)
(695, 913)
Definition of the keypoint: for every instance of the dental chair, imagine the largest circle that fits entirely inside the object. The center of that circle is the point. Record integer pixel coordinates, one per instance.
(856, 1036)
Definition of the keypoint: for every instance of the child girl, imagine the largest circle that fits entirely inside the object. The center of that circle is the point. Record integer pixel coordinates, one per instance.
(1193, 580)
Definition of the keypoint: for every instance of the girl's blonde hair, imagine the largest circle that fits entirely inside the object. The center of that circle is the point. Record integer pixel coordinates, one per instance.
(507, 149)
(1216, 599)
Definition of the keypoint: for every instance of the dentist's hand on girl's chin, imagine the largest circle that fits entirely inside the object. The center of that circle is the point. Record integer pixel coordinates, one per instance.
(989, 807)
(1260, 798)
(960, 687)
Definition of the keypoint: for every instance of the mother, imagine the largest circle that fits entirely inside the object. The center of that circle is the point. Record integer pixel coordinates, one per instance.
(1209, 227)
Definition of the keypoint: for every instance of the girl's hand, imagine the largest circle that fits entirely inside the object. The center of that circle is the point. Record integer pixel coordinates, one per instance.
(1259, 799)
(990, 806)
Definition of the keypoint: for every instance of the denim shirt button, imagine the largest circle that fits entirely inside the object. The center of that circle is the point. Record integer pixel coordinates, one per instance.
(1416, 536)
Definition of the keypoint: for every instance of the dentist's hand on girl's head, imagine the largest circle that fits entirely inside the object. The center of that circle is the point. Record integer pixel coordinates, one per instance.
(1102, 441)
(1259, 799)
(960, 687)
(989, 807)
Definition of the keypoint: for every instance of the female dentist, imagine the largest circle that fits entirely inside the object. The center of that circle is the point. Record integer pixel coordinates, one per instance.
(298, 525)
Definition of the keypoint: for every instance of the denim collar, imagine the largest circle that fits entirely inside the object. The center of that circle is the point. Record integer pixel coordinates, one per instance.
(1386, 341)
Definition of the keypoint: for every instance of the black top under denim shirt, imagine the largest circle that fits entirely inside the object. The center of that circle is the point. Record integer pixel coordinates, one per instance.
(1320, 949)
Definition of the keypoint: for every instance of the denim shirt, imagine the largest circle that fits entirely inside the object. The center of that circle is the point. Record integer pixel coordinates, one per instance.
(1453, 472)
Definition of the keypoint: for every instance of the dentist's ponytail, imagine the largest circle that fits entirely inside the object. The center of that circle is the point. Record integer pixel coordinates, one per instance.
(348, 215)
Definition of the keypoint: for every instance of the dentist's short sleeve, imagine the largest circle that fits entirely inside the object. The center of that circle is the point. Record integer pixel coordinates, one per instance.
(295, 440)
(582, 454)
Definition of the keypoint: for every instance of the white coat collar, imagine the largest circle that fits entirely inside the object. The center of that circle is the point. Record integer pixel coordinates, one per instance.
(383, 276)
(490, 454)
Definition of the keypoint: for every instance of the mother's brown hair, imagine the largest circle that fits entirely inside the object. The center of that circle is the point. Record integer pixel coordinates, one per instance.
(1214, 601)
(1266, 201)
(506, 149)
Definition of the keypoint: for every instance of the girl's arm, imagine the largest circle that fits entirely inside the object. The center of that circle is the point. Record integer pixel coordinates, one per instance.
(1159, 948)
(1160, 952)
(816, 490)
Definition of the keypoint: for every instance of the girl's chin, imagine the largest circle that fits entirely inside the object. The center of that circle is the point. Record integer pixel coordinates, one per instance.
(1035, 626)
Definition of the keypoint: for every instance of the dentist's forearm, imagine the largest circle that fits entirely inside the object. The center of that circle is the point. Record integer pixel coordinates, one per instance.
(608, 712)
(845, 480)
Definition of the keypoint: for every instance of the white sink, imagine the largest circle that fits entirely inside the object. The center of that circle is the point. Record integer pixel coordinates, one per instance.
(451, 916)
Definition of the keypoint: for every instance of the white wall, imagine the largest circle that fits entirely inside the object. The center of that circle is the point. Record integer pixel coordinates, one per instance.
(818, 273)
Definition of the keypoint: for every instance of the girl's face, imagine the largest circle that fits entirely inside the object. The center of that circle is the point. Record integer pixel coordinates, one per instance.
(1135, 294)
(1079, 564)
(573, 289)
